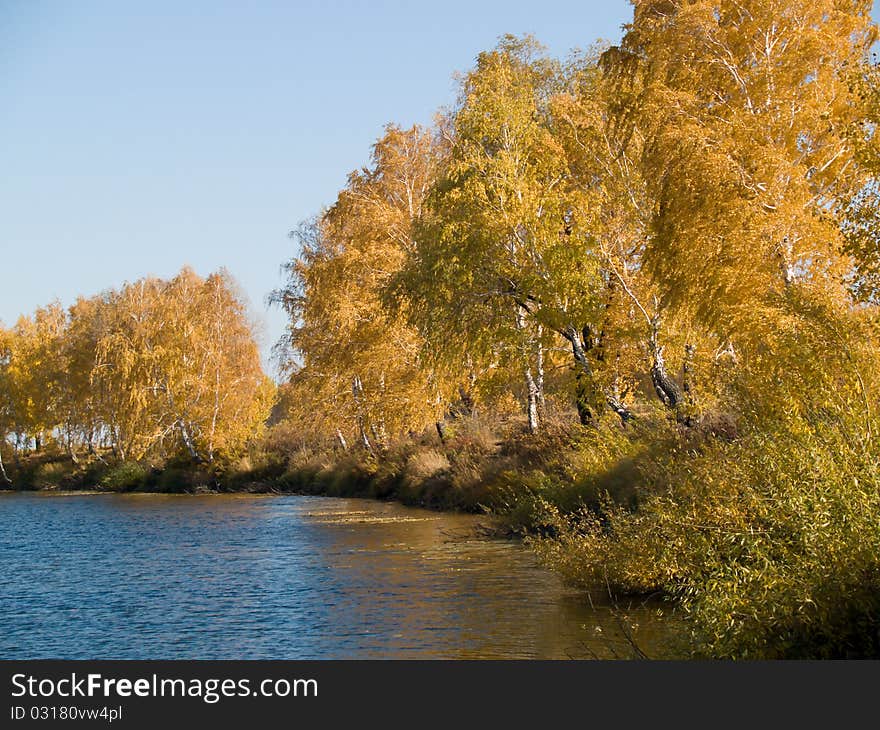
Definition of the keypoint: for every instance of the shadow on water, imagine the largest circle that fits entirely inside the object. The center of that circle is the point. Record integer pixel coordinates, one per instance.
(258, 577)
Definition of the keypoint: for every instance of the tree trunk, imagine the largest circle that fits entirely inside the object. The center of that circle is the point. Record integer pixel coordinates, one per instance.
(342, 442)
(357, 393)
(687, 385)
(465, 402)
(365, 440)
(786, 255)
(583, 379)
(466, 405)
(441, 430)
(93, 452)
(666, 388)
(687, 369)
(539, 368)
(6, 479)
(531, 385)
(16, 449)
(532, 389)
(585, 387)
(617, 405)
(377, 426)
(584, 399)
(189, 443)
(71, 452)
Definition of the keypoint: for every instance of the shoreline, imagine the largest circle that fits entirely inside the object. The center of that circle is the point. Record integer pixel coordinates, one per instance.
(258, 489)
(416, 475)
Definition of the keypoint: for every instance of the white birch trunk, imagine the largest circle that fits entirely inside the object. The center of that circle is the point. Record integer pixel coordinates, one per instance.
(532, 401)
(6, 479)
(539, 368)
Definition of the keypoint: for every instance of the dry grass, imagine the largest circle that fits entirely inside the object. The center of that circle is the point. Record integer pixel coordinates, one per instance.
(425, 463)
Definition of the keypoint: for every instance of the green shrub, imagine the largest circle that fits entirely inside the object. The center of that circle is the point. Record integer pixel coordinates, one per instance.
(122, 477)
(771, 543)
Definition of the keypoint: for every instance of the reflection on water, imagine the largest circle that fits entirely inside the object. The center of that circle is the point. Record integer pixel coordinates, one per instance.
(245, 577)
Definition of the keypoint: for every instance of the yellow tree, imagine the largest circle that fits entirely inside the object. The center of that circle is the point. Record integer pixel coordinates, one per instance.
(6, 405)
(128, 369)
(221, 394)
(35, 374)
(741, 112)
(177, 367)
(860, 214)
(363, 361)
(497, 266)
(78, 407)
(609, 219)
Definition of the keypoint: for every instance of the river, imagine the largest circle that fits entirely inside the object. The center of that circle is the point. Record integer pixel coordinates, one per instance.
(282, 577)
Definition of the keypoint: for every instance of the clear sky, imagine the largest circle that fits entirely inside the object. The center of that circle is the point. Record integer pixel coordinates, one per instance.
(139, 137)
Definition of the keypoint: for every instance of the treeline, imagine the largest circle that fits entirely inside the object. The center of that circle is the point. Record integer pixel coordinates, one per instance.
(675, 241)
(644, 217)
(144, 372)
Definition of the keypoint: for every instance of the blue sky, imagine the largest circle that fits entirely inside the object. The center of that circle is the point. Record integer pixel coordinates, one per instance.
(139, 137)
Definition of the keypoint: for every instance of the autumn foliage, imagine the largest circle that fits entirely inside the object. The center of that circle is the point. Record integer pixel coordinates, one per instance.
(628, 298)
(672, 242)
(144, 372)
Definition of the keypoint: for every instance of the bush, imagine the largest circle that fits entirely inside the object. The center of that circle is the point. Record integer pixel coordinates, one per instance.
(765, 526)
(51, 474)
(123, 477)
(770, 543)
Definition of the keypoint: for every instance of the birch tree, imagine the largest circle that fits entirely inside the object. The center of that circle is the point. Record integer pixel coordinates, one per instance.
(363, 358)
(177, 366)
(6, 404)
(742, 112)
(497, 259)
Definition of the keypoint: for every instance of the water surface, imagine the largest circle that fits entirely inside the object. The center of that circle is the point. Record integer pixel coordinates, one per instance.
(265, 577)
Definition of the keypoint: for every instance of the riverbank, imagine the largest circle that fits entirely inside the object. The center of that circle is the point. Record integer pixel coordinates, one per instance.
(508, 473)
